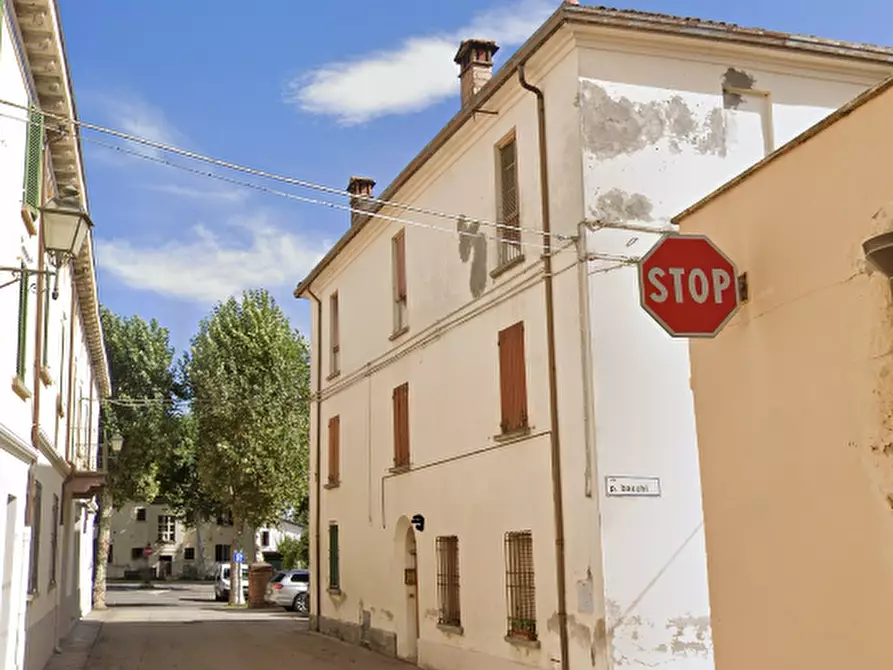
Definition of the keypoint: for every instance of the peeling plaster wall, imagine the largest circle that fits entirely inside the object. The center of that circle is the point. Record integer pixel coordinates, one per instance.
(794, 404)
(658, 134)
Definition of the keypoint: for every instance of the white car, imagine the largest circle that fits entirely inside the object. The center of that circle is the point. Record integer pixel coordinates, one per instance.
(221, 582)
(291, 590)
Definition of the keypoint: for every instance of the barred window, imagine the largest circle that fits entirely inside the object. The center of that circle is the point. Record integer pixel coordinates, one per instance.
(520, 585)
(448, 581)
(509, 232)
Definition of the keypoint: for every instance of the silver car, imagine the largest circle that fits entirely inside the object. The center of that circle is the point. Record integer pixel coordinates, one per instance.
(291, 590)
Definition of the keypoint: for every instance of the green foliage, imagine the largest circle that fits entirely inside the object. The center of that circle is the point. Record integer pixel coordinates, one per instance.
(140, 364)
(248, 375)
(290, 549)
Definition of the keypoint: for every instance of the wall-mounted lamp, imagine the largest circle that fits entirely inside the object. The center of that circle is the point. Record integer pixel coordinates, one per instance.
(66, 226)
(879, 252)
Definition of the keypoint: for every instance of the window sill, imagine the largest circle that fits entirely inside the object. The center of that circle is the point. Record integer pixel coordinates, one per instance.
(399, 333)
(522, 642)
(331, 485)
(333, 375)
(399, 469)
(45, 376)
(513, 435)
(508, 265)
(19, 388)
(450, 629)
(334, 591)
(29, 219)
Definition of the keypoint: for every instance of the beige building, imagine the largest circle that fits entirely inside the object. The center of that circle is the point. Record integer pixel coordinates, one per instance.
(180, 550)
(503, 445)
(794, 401)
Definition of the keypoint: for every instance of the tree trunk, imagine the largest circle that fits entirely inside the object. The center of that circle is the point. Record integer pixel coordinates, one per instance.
(201, 572)
(102, 550)
(235, 570)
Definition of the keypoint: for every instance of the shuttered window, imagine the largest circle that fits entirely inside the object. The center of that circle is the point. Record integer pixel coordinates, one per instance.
(22, 340)
(334, 558)
(512, 378)
(400, 281)
(334, 450)
(401, 426)
(507, 179)
(335, 334)
(34, 161)
(36, 505)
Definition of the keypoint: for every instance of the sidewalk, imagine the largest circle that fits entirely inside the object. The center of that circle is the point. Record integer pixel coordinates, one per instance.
(77, 646)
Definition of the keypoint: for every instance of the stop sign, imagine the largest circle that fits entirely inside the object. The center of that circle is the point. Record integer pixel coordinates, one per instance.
(688, 286)
(147, 551)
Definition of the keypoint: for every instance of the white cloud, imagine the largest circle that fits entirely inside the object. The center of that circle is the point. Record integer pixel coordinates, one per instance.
(211, 195)
(133, 115)
(207, 266)
(415, 75)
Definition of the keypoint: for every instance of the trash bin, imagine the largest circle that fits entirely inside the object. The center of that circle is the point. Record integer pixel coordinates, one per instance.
(259, 575)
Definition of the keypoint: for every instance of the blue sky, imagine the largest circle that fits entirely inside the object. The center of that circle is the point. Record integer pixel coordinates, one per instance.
(313, 90)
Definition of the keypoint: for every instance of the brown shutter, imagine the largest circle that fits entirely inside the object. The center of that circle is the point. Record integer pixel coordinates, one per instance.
(334, 450)
(401, 426)
(512, 378)
(400, 262)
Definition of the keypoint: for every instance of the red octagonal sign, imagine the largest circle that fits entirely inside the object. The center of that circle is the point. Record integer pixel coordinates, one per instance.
(688, 286)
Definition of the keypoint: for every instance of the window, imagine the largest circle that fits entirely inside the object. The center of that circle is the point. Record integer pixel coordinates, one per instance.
(111, 554)
(54, 540)
(509, 234)
(36, 503)
(22, 340)
(167, 528)
(140, 513)
(34, 162)
(334, 335)
(300, 578)
(519, 585)
(401, 426)
(136, 553)
(265, 538)
(399, 255)
(448, 581)
(512, 379)
(225, 519)
(222, 553)
(334, 559)
(189, 554)
(334, 450)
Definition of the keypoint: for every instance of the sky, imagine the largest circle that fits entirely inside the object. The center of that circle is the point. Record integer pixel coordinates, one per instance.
(317, 91)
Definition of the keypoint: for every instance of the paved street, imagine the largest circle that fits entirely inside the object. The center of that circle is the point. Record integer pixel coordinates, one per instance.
(180, 626)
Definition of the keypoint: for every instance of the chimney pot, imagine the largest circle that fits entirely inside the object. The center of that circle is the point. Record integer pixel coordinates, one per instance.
(475, 61)
(360, 189)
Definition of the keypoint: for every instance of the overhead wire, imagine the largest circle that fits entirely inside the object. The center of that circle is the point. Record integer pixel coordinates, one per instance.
(303, 183)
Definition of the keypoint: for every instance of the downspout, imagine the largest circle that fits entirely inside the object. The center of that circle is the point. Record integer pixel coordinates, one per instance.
(39, 315)
(586, 355)
(317, 448)
(557, 489)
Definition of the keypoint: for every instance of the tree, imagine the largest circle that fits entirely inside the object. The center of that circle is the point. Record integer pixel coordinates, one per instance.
(290, 549)
(140, 358)
(249, 374)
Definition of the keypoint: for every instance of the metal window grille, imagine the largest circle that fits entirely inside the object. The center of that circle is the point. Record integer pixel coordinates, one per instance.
(510, 231)
(54, 540)
(334, 558)
(37, 503)
(520, 584)
(448, 581)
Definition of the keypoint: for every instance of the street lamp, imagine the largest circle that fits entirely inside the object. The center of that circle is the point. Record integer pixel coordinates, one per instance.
(66, 226)
(116, 442)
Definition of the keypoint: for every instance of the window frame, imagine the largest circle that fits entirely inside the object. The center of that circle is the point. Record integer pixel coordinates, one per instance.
(141, 511)
(449, 600)
(334, 334)
(167, 528)
(402, 442)
(334, 451)
(188, 553)
(35, 524)
(509, 251)
(399, 283)
(520, 586)
(334, 576)
(513, 396)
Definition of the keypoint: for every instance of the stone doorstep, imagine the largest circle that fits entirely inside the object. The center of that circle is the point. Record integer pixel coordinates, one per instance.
(76, 647)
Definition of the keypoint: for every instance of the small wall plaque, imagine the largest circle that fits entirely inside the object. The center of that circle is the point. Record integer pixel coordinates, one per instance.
(633, 486)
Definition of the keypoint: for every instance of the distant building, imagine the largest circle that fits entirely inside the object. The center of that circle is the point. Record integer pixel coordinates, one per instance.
(180, 551)
(474, 390)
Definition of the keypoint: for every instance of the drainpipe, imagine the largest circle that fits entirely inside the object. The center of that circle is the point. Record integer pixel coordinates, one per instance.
(557, 490)
(586, 356)
(315, 577)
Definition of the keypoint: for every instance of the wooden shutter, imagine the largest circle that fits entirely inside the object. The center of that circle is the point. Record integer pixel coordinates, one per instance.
(34, 159)
(334, 450)
(512, 378)
(400, 264)
(401, 426)
(22, 342)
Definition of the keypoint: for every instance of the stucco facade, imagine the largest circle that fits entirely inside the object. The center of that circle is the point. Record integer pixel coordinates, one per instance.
(639, 122)
(53, 370)
(793, 404)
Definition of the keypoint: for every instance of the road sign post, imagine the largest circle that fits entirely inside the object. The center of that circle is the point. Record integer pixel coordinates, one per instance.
(688, 286)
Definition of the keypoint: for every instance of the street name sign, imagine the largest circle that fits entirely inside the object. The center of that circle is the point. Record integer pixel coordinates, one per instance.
(633, 486)
(688, 286)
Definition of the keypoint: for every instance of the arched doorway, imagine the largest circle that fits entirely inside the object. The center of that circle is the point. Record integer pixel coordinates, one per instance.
(411, 585)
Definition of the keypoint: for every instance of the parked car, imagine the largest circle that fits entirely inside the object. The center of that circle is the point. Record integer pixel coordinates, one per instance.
(291, 590)
(221, 582)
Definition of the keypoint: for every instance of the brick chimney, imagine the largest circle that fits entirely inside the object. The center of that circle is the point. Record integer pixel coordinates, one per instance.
(359, 188)
(475, 60)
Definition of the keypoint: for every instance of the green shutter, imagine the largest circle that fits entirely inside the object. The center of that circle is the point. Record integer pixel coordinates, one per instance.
(22, 348)
(334, 563)
(45, 359)
(34, 160)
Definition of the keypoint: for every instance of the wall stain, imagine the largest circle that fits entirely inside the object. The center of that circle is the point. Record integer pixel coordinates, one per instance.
(387, 614)
(735, 79)
(432, 613)
(614, 127)
(617, 206)
(473, 244)
(690, 635)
